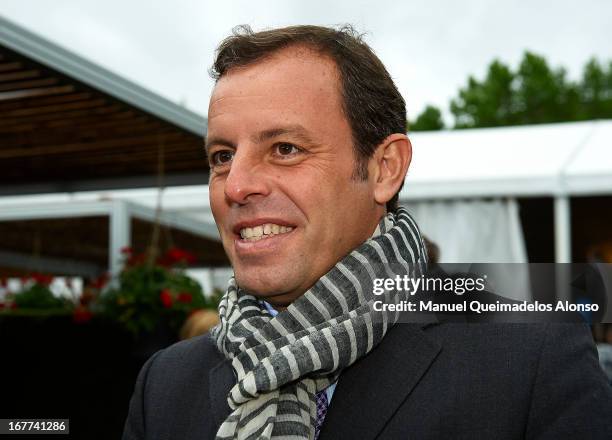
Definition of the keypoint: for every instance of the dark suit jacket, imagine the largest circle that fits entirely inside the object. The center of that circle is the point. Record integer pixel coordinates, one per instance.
(436, 381)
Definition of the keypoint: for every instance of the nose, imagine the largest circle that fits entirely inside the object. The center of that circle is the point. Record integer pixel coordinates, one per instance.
(243, 181)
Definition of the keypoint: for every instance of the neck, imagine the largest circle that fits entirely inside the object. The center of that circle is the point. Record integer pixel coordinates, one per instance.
(281, 301)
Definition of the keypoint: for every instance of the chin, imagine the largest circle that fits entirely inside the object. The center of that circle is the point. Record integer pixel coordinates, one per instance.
(260, 287)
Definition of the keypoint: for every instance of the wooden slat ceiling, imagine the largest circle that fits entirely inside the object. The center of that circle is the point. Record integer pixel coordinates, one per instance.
(56, 129)
(86, 240)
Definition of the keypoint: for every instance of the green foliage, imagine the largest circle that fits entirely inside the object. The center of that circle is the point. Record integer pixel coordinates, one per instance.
(429, 119)
(596, 91)
(543, 94)
(534, 93)
(147, 295)
(38, 297)
(489, 103)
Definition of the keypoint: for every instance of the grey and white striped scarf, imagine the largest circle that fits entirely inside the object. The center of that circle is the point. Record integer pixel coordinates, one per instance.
(282, 362)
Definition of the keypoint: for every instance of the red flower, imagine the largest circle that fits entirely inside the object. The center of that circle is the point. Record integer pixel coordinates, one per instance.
(81, 315)
(42, 279)
(100, 281)
(135, 260)
(176, 255)
(3, 282)
(184, 297)
(164, 261)
(1, 306)
(126, 250)
(166, 298)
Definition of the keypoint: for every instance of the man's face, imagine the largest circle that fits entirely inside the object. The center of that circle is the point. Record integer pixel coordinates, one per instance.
(281, 186)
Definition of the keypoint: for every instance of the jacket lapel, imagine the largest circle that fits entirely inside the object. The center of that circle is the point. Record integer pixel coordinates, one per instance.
(221, 380)
(370, 391)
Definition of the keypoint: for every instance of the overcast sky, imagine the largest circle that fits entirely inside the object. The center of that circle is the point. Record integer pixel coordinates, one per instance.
(429, 47)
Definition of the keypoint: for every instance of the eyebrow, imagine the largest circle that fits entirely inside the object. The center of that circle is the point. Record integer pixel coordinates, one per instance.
(217, 141)
(296, 130)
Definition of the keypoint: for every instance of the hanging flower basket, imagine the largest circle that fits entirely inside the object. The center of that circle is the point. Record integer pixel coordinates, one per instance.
(148, 294)
(35, 299)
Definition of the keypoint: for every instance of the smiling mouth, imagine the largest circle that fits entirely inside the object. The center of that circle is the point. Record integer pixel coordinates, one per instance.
(263, 231)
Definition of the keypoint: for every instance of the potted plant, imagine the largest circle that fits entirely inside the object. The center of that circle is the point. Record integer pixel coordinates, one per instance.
(150, 294)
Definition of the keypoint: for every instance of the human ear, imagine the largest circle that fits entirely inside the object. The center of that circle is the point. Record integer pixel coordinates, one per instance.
(391, 161)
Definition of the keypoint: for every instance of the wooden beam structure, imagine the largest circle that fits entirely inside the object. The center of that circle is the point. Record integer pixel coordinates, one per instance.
(64, 120)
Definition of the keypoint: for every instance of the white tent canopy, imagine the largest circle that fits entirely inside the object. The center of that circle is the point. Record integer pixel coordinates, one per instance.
(556, 160)
(534, 160)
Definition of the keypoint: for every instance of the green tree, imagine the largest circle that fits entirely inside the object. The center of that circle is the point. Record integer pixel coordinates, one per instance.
(607, 94)
(488, 103)
(544, 94)
(534, 93)
(429, 119)
(596, 91)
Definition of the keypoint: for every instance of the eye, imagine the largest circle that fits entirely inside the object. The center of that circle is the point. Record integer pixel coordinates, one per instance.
(285, 149)
(221, 157)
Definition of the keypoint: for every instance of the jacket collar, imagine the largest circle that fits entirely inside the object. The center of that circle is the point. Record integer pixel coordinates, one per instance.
(370, 391)
(384, 379)
(221, 380)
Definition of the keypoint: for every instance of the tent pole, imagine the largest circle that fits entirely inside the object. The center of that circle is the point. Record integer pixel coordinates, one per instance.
(563, 230)
(563, 246)
(119, 234)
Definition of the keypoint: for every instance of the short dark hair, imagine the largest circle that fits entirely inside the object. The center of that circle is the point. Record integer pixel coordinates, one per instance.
(371, 102)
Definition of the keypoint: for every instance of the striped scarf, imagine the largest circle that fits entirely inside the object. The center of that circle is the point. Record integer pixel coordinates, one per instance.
(282, 362)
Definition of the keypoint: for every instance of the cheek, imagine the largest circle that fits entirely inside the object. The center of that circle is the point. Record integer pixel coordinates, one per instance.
(321, 180)
(216, 199)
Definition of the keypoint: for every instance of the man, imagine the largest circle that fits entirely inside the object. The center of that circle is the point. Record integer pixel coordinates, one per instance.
(308, 153)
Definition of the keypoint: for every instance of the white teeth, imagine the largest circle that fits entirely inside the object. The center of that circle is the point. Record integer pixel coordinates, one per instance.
(263, 231)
